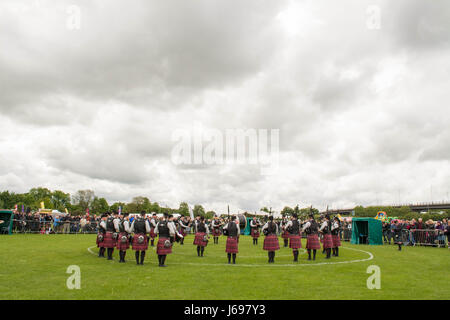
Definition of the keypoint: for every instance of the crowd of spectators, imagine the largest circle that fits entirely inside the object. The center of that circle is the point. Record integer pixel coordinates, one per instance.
(49, 223)
(429, 233)
(417, 232)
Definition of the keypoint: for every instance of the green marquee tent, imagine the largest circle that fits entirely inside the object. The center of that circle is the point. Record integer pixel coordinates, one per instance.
(367, 231)
(6, 221)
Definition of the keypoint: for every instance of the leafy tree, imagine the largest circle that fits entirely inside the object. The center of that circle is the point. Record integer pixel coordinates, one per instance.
(60, 200)
(116, 205)
(287, 211)
(210, 214)
(183, 209)
(99, 206)
(199, 210)
(83, 198)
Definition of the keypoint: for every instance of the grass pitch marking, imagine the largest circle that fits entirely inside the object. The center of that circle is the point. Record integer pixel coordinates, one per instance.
(269, 265)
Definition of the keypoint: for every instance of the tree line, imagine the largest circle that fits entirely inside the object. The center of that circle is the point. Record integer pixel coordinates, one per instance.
(84, 200)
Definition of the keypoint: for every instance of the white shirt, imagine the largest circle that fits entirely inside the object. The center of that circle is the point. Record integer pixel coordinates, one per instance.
(147, 226)
(184, 226)
(173, 229)
(306, 225)
(237, 225)
(253, 223)
(335, 225)
(116, 223)
(324, 224)
(267, 226)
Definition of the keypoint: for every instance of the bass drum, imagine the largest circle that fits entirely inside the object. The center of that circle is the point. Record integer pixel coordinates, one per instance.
(242, 221)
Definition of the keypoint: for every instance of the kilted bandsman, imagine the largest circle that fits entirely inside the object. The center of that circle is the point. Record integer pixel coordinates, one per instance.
(398, 234)
(335, 230)
(174, 234)
(325, 229)
(285, 234)
(232, 230)
(216, 224)
(110, 236)
(101, 236)
(295, 235)
(152, 229)
(312, 240)
(184, 226)
(201, 236)
(271, 244)
(123, 242)
(254, 227)
(165, 231)
(140, 227)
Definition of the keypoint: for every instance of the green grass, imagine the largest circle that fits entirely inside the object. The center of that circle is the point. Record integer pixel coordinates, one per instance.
(34, 267)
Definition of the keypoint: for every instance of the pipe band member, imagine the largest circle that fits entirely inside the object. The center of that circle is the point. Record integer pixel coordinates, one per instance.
(295, 235)
(312, 239)
(109, 241)
(335, 230)
(123, 242)
(254, 226)
(285, 233)
(140, 227)
(152, 229)
(101, 236)
(184, 226)
(325, 229)
(166, 231)
(232, 230)
(271, 240)
(201, 236)
(216, 224)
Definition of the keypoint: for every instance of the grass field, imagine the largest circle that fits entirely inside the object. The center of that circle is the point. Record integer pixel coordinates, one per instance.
(34, 267)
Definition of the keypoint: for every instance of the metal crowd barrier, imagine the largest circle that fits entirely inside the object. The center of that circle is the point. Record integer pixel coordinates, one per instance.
(417, 237)
(50, 227)
(421, 237)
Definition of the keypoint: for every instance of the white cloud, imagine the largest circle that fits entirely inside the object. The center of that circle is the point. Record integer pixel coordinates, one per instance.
(362, 113)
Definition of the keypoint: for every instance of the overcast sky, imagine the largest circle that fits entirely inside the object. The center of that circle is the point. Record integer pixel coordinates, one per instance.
(362, 103)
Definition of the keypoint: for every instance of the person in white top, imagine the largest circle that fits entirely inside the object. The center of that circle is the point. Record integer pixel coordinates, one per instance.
(123, 242)
(325, 229)
(312, 239)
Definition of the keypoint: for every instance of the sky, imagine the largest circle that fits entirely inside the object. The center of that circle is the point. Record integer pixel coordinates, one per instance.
(92, 92)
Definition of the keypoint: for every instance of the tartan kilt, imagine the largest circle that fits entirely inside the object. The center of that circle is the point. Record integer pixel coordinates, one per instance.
(216, 232)
(336, 241)
(120, 245)
(255, 233)
(312, 242)
(140, 246)
(160, 249)
(285, 235)
(295, 241)
(108, 241)
(199, 241)
(152, 233)
(271, 243)
(182, 232)
(232, 245)
(100, 244)
(327, 241)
